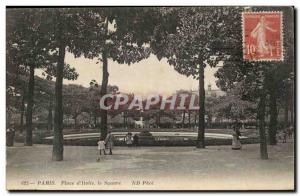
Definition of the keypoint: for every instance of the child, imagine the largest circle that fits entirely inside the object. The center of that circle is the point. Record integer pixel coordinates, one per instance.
(128, 139)
(101, 147)
(285, 133)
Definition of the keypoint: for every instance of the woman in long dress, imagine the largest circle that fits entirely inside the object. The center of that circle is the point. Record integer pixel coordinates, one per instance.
(259, 32)
(236, 143)
(109, 142)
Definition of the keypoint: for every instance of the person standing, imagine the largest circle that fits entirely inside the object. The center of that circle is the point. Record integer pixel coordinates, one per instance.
(128, 139)
(135, 140)
(101, 148)
(10, 135)
(236, 143)
(109, 142)
(260, 32)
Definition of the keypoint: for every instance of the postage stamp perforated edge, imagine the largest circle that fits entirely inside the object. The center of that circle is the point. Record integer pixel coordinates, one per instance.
(281, 35)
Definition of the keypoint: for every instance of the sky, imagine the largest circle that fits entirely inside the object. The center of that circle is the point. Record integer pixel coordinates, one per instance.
(149, 76)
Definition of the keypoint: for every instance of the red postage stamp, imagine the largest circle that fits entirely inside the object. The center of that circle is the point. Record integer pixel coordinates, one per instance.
(262, 36)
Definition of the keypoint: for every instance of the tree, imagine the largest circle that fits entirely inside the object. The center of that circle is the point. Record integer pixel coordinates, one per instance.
(74, 102)
(17, 79)
(44, 90)
(261, 123)
(64, 29)
(93, 100)
(118, 39)
(232, 106)
(200, 31)
(94, 95)
(273, 75)
(261, 79)
(27, 45)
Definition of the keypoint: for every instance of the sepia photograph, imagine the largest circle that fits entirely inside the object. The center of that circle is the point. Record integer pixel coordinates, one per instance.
(150, 98)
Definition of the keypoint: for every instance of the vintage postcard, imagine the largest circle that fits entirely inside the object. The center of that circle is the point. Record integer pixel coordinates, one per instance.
(150, 98)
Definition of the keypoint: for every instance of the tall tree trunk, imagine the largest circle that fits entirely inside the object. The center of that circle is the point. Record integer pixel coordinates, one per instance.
(124, 119)
(261, 125)
(95, 118)
(22, 111)
(75, 120)
(50, 118)
(183, 119)
(58, 146)
(103, 126)
(90, 118)
(157, 117)
(292, 104)
(201, 122)
(189, 117)
(286, 110)
(103, 91)
(273, 116)
(30, 95)
(158, 121)
(292, 113)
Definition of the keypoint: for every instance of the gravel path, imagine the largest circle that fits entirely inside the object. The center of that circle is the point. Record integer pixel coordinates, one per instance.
(216, 167)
